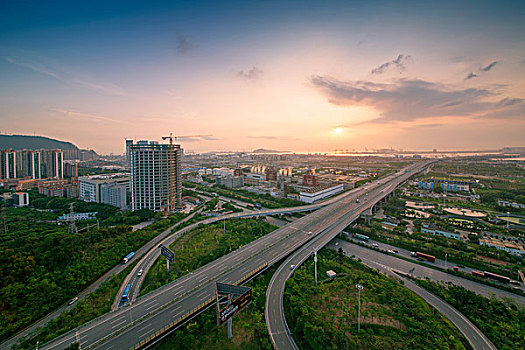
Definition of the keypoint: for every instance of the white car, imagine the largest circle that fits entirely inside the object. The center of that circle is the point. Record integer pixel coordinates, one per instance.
(292, 267)
(392, 251)
(72, 301)
(139, 273)
(375, 245)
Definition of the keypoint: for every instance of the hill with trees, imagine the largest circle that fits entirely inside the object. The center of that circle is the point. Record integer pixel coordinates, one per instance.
(18, 142)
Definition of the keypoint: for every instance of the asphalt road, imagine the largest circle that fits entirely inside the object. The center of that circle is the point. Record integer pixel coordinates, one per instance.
(132, 324)
(153, 254)
(474, 336)
(113, 271)
(274, 311)
(370, 256)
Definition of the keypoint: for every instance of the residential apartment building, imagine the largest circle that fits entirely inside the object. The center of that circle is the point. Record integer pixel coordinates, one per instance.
(31, 164)
(91, 188)
(153, 168)
(115, 194)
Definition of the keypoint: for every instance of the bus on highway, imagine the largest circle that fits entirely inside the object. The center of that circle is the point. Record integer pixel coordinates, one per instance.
(499, 278)
(125, 294)
(128, 257)
(426, 257)
(361, 237)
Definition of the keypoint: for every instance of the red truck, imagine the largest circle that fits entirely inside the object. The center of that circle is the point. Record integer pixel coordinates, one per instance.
(426, 257)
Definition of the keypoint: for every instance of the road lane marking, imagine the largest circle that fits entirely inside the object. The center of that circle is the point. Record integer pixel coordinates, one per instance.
(149, 301)
(118, 324)
(143, 328)
(152, 306)
(143, 335)
(118, 319)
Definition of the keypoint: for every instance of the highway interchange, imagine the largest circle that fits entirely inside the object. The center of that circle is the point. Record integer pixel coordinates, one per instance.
(391, 265)
(132, 324)
(143, 319)
(274, 310)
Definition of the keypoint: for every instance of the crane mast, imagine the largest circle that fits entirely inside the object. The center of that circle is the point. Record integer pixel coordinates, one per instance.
(175, 202)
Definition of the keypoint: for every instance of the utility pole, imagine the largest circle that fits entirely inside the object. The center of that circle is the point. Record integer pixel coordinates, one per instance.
(315, 266)
(230, 319)
(508, 218)
(359, 289)
(446, 254)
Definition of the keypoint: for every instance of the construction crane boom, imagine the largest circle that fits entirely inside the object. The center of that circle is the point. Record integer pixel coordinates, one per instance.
(172, 176)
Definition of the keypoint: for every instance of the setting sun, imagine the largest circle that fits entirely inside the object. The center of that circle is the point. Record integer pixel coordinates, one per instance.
(339, 130)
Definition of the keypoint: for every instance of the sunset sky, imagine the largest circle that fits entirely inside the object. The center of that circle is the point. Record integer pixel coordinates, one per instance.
(310, 76)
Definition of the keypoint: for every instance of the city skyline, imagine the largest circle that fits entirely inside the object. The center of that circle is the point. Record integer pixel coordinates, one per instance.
(277, 75)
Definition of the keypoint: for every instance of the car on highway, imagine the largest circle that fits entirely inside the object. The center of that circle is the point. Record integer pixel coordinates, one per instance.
(72, 301)
(140, 272)
(375, 245)
(292, 267)
(461, 266)
(395, 251)
(391, 251)
(309, 232)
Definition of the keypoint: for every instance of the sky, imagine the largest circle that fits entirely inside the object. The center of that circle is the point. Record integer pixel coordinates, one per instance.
(303, 76)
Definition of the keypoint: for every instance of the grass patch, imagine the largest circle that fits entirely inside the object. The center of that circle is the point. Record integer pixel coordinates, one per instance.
(202, 245)
(248, 329)
(503, 322)
(392, 317)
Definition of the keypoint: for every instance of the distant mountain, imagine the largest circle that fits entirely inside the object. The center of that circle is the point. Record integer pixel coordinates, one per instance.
(18, 142)
(262, 150)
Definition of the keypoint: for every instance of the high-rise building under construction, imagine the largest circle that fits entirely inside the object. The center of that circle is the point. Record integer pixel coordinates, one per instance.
(153, 168)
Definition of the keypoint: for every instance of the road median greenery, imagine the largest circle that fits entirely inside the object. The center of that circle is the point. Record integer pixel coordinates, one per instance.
(324, 316)
(503, 322)
(202, 245)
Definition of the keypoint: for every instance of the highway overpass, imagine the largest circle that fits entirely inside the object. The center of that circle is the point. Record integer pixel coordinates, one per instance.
(153, 316)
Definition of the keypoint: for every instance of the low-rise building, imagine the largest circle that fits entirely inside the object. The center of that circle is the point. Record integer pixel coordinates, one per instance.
(79, 216)
(90, 187)
(513, 248)
(331, 274)
(319, 192)
(231, 181)
(451, 186)
(58, 188)
(434, 230)
(511, 204)
(391, 221)
(21, 199)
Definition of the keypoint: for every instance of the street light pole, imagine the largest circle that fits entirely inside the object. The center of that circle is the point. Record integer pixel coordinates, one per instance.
(359, 289)
(445, 195)
(315, 266)
(446, 266)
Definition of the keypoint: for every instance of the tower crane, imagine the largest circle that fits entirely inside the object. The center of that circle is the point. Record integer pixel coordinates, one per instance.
(178, 201)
